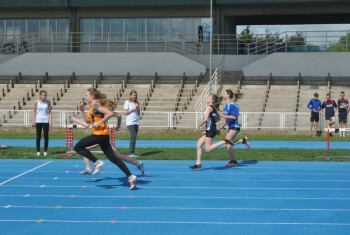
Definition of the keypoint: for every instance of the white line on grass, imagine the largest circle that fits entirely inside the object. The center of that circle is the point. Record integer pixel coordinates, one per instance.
(172, 208)
(1, 184)
(176, 222)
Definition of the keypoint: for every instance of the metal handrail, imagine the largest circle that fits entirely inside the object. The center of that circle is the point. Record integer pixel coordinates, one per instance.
(213, 83)
(309, 39)
(248, 120)
(182, 44)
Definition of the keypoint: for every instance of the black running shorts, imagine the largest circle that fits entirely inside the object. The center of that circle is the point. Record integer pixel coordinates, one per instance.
(210, 134)
(343, 117)
(315, 117)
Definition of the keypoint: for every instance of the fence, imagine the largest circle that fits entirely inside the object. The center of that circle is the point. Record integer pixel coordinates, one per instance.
(307, 41)
(301, 41)
(174, 120)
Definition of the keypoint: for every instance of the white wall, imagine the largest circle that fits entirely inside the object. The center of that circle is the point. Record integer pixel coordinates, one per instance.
(232, 62)
(138, 64)
(308, 64)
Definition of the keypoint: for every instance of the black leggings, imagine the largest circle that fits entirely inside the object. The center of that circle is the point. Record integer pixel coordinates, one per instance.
(103, 141)
(39, 127)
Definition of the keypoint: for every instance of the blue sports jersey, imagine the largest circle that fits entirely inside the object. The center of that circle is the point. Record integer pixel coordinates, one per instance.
(314, 104)
(211, 122)
(329, 106)
(231, 109)
(343, 102)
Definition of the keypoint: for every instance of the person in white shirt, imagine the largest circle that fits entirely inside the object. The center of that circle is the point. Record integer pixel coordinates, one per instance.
(132, 111)
(42, 119)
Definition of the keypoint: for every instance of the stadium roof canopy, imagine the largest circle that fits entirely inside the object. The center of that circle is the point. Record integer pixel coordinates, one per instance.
(87, 3)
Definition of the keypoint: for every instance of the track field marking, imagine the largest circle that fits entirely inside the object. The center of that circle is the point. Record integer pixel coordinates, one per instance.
(26, 172)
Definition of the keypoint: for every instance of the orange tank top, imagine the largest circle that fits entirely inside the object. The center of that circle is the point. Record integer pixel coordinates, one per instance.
(95, 116)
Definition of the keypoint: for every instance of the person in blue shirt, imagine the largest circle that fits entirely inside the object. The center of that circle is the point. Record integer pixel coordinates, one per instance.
(231, 114)
(315, 106)
(329, 107)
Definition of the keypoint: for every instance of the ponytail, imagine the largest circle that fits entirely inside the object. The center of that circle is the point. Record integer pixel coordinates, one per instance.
(217, 101)
(102, 99)
(232, 95)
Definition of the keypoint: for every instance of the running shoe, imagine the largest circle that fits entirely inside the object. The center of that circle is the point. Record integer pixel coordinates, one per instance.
(98, 165)
(133, 155)
(132, 181)
(3, 146)
(86, 172)
(38, 153)
(140, 167)
(232, 163)
(245, 141)
(45, 153)
(228, 141)
(195, 166)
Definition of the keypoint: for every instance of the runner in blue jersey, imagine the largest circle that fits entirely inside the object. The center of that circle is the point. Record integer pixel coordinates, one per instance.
(231, 114)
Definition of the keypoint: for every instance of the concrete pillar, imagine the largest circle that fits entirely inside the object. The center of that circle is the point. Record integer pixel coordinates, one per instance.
(230, 25)
(73, 28)
(230, 28)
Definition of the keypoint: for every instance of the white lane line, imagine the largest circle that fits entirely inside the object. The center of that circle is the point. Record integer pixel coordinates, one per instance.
(326, 168)
(173, 208)
(199, 172)
(171, 187)
(177, 222)
(181, 197)
(24, 173)
(18, 165)
(172, 179)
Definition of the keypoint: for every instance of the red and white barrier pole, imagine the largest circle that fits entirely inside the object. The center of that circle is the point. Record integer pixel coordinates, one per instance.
(66, 137)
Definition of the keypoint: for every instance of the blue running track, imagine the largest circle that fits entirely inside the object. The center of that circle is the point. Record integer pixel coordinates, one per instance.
(191, 144)
(50, 197)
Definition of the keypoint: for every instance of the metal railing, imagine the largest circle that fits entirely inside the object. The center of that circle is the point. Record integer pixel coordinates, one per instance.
(211, 88)
(17, 45)
(301, 41)
(290, 41)
(174, 120)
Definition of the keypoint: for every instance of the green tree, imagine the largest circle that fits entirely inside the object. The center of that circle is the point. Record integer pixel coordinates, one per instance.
(296, 40)
(271, 37)
(343, 44)
(246, 36)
